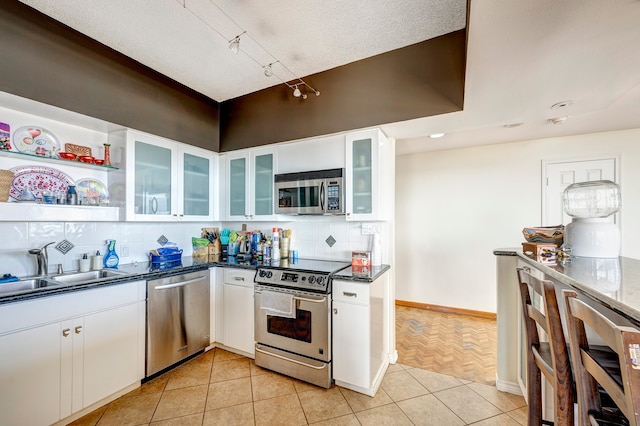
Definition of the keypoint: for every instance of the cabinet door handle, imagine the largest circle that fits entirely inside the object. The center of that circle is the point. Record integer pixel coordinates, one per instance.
(78, 329)
(66, 332)
(527, 269)
(335, 311)
(238, 278)
(349, 294)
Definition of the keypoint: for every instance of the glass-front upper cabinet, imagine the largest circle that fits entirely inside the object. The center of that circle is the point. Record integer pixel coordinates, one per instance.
(154, 186)
(168, 180)
(250, 184)
(238, 180)
(369, 177)
(197, 184)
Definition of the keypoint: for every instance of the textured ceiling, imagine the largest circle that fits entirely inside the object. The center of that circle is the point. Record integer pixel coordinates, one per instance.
(523, 56)
(187, 40)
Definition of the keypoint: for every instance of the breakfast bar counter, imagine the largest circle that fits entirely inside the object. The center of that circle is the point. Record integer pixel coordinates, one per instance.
(613, 285)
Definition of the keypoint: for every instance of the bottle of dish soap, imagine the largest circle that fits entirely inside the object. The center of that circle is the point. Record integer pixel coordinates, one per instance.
(111, 259)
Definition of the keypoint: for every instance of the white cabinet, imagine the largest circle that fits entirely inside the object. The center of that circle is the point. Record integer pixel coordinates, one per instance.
(360, 334)
(249, 184)
(168, 180)
(30, 371)
(69, 351)
(369, 181)
(238, 329)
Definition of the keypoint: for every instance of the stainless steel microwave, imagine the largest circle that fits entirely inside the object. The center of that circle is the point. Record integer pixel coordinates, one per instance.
(315, 192)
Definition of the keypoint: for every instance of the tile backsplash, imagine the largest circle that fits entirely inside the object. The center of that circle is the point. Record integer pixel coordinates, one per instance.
(309, 235)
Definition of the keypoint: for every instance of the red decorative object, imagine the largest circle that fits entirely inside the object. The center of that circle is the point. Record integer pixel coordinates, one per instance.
(107, 154)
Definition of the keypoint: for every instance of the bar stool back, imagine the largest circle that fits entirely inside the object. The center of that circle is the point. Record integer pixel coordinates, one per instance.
(618, 373)
(549, 358)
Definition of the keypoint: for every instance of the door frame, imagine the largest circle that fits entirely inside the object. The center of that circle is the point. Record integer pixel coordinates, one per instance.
(617, 159)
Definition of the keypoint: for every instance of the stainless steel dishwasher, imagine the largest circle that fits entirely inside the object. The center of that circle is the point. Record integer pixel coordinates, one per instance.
(177, 319)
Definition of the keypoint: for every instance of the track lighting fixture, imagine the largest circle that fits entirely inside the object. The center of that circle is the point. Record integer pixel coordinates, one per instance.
(299, 93)
(234, 43)
(300, 88)
(268, 71)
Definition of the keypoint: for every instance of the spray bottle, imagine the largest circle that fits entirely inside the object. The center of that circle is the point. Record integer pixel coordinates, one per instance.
(111, 258)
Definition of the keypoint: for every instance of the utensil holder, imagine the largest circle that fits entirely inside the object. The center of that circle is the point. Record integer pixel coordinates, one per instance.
(284, 248)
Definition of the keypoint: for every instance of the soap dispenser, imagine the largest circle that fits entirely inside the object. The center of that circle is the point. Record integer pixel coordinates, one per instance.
(111, 258)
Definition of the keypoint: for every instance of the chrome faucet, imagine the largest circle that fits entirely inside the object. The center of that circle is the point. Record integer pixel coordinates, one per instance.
(42, 258)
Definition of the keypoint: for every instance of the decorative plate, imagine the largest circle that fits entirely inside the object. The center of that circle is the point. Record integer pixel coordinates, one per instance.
(91, 188)
(79, 150)
(36, 140)
(36, 179)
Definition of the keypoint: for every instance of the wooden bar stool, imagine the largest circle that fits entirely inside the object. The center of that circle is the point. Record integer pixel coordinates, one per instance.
(618, 373)
(549, 358)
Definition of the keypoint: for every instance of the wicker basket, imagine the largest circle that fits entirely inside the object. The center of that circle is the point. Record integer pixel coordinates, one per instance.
(6, 178)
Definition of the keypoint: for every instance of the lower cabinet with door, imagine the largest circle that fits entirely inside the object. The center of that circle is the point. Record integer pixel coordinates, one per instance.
(62, 354)
(360, 334)
(237, 311)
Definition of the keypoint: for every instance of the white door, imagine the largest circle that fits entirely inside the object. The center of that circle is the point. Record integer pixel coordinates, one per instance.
(558, 175)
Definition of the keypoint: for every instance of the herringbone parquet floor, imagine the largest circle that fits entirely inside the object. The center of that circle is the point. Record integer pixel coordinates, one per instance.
(457, 345)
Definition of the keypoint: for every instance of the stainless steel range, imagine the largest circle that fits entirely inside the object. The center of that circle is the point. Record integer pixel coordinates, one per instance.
(293, 319)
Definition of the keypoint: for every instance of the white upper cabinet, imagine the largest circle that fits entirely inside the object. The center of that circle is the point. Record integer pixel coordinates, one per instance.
(167, 180)
(369, 166)
(249, 184)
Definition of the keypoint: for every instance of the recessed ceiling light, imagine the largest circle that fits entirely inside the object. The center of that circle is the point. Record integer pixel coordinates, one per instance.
(509, 126)
(436, 135)
(562, 104)
(559, 120)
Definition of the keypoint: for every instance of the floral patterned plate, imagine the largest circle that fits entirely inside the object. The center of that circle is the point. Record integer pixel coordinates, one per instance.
(37, 179)
(91, 188)
(36, 140)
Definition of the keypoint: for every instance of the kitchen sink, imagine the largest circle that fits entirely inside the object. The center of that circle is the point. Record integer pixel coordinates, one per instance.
(85, 277)
(27, 284)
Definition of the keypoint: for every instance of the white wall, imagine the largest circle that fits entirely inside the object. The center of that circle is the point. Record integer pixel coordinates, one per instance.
(454, 207)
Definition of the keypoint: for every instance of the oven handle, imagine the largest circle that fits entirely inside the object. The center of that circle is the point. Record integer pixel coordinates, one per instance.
(291, 360)
(304, 299)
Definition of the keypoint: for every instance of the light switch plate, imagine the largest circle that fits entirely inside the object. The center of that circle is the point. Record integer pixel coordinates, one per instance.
(124, 251)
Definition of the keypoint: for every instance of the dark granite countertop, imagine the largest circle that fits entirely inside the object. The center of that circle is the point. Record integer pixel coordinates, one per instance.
(147, 271)
(368, 277)
(613, 282)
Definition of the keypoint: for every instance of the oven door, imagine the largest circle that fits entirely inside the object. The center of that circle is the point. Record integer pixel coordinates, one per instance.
(307, 334)
(300, 197)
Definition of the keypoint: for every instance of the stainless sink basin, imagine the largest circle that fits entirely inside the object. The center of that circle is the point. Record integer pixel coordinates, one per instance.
(22, 285)
(85, 277)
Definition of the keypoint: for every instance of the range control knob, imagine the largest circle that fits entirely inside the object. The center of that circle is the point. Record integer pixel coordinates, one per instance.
(320, 280)
(269, 274)
(262, 274)
(312, 279)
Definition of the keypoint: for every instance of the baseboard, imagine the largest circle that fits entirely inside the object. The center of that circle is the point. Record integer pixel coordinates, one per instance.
(508, 387)
(447, 309)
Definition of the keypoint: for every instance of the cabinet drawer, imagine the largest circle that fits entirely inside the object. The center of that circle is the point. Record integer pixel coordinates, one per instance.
(239, 277)
(351, 292)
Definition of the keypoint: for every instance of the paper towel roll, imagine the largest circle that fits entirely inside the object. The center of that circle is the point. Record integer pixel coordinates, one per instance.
(376, 250)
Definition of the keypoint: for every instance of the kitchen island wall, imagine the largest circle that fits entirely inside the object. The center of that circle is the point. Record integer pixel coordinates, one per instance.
(453, 207)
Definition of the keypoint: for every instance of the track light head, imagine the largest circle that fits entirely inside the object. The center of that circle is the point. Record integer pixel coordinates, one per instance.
(296, 92)
(268, 71)
(234, 45)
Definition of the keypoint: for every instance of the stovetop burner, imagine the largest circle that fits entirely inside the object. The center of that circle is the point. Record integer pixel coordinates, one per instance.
(306, 274)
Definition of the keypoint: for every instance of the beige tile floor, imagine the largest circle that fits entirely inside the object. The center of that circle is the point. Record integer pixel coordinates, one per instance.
(221, 388)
